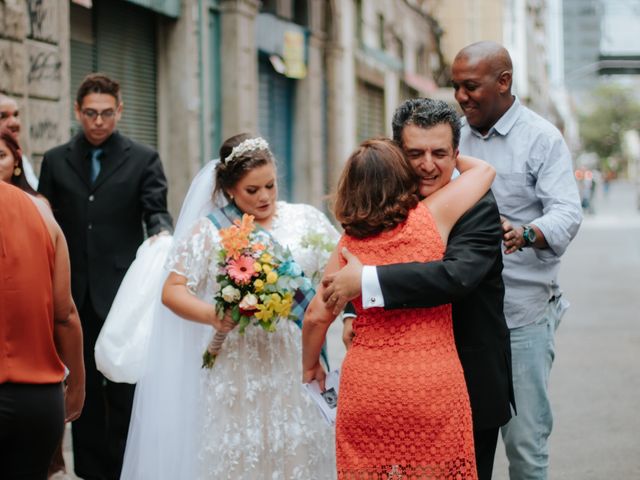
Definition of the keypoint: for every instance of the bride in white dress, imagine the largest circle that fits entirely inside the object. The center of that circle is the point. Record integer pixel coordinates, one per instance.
(248, 417)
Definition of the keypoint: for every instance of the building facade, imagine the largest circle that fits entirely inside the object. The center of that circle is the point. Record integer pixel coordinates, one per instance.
(314, 77)
(34, 70)
(582, 27)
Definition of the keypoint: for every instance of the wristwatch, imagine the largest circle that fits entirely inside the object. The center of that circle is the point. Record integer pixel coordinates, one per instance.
(529, 235)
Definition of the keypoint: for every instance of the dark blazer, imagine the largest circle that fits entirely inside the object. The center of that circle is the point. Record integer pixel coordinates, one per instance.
(469, 277)
(103, 221)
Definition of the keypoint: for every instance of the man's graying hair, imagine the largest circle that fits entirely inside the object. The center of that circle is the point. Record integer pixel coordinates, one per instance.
(425, 113)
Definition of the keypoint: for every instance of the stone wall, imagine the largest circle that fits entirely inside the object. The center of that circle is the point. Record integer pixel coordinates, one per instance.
(34, 69)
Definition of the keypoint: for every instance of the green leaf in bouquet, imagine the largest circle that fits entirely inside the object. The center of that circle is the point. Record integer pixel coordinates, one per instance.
(220, 310)
(317, 241)
(235, 313)
(243, 323)
(268, 326)
(208, 359)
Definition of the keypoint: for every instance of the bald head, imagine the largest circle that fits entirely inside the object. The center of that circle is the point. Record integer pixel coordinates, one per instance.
(4, 99)
(482, 75)
(494, 55)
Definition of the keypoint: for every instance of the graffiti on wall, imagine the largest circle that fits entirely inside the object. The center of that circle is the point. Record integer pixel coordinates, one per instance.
(44, 128)
(32, 69)
(42, 16)
(11, 67)
(44, 75)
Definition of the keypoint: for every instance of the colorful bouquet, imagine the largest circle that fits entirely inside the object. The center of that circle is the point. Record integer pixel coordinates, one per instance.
(257, 281)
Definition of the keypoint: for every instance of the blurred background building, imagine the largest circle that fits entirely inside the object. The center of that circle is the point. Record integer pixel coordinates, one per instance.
(314, 77)
(582, 29)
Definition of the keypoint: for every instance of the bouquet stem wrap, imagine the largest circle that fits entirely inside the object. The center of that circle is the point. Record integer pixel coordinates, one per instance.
(211, 353)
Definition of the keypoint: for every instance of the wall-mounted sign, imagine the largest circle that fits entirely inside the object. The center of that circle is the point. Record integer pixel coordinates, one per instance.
(285, 40)
(293, 54)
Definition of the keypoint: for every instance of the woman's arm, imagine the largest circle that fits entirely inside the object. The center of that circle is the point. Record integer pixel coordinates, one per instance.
(68, 339)
(449, 203)
(317, 320)
(67, 331)
(177, 297)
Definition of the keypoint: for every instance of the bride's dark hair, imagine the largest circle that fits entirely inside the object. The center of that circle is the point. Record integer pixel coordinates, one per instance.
(228, 174)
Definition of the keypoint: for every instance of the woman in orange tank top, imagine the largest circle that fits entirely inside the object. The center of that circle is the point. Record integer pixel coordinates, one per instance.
(37, 328)
(403, 408)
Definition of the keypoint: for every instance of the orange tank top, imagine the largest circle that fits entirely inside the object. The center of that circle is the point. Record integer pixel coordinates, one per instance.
(27, 349)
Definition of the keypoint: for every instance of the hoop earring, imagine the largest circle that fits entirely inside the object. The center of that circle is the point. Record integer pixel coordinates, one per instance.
(17, 171)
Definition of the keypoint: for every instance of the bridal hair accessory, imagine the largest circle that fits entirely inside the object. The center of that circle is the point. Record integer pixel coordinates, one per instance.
(246, 146)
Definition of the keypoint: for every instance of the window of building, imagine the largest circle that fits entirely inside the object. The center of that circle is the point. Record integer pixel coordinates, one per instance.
(270, 6)
(119, 40)
(301, 12)
(359, 22)
(381, 39)
(370, 111)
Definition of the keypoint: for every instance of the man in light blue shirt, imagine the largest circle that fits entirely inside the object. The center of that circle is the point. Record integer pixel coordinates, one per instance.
(540, 207)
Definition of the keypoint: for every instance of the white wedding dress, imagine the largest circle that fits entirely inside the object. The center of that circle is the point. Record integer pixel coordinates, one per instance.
(248, 417)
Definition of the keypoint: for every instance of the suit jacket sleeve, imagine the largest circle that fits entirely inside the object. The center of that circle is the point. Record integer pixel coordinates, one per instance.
(471, 252)
(45, 184)
(154, 198)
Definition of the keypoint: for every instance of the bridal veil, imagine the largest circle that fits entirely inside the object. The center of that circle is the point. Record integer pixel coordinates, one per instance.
(164, 423)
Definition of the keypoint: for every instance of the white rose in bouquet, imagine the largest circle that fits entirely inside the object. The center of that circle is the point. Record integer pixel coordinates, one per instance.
(230, 294)
(249, 302)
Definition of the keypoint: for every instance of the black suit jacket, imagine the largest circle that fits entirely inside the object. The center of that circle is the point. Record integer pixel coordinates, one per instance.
(103, 221)
(469, 277)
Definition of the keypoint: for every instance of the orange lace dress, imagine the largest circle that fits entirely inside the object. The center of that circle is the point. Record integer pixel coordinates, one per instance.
(404, 410)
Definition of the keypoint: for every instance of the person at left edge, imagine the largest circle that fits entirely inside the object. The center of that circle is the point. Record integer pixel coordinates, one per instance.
(39, 332)
(10, 119)
(105, 189)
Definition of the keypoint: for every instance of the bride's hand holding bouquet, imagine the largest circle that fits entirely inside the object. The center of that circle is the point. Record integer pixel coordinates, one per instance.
(224, 324)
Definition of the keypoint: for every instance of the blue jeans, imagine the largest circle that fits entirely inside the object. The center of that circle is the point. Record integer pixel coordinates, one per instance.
(525, 436)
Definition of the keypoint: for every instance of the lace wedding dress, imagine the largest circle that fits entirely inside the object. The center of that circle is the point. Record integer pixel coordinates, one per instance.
(248, 417)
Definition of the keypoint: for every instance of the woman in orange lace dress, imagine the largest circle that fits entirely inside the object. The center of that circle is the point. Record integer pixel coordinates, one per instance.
(403, 408)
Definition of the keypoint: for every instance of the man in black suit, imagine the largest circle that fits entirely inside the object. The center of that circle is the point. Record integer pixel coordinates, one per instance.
(105, 191)
(469, 276)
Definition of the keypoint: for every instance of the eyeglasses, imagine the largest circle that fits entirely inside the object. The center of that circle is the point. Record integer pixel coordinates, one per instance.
(92, 114)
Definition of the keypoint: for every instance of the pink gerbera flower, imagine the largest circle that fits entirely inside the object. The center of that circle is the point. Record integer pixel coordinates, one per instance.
(241, 269)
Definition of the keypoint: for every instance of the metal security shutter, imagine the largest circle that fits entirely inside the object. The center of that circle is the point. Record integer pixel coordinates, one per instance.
(370, 111)
(82, 63)
(126, 46)
(82, 47)
(275, 110)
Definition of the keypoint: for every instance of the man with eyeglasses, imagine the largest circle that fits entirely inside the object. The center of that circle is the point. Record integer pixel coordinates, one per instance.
(105, 190)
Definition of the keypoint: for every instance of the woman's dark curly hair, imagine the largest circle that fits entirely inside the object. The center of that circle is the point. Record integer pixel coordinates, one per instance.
(377, 189)
(228, 174)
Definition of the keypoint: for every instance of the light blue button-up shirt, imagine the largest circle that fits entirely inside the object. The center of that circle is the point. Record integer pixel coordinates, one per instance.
(534, 185)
